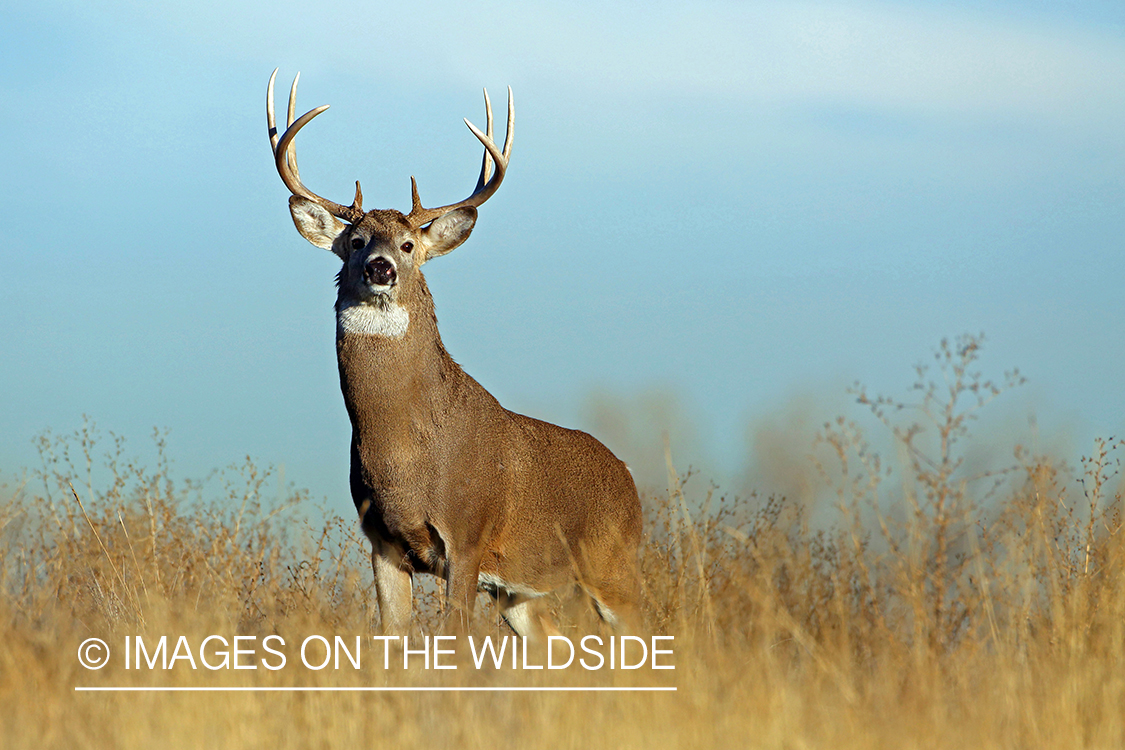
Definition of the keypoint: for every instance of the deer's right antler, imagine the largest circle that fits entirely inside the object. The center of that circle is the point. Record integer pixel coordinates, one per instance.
(285, 155)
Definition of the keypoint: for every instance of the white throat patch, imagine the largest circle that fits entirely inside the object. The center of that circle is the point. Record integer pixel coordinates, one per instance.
(387, 320)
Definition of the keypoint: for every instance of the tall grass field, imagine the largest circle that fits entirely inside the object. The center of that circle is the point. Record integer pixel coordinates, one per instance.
(939, 592)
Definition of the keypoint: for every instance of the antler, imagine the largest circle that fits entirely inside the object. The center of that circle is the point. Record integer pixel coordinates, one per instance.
(285, 155)
(487, 183)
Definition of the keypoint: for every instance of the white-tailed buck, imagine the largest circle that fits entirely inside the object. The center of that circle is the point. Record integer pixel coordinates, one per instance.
(445, 479)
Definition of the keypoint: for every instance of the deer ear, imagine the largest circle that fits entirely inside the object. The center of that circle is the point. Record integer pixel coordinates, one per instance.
(448, 231)
(315, 223)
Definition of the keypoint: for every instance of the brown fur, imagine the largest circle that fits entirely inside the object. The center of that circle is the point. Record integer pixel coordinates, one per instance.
(445, 479)
(458, 484)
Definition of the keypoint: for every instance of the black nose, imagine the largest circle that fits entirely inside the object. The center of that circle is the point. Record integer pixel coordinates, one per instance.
(379, 271)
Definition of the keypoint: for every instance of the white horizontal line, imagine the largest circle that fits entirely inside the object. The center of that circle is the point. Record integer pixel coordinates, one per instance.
(124, 689)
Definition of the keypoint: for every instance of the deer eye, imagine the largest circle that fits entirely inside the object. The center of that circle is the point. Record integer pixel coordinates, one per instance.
(358, 243)
(407, 246)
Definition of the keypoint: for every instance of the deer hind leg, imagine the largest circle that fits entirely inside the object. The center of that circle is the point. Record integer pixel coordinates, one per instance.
(623, 617)
(527, 618)
(525, 615)
(393, 587)
(617, 601)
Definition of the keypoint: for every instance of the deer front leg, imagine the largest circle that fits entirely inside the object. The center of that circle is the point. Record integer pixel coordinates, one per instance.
(393, 587)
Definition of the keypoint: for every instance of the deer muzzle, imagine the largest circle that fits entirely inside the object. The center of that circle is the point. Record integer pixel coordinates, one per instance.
(380, 271)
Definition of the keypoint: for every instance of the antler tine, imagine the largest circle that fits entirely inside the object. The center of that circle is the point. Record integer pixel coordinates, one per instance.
(487, 183)
(486, 164)
(485, 186)
(509, 126)
(291, 152)
(274, 135)
(285, 154)
(292, 99)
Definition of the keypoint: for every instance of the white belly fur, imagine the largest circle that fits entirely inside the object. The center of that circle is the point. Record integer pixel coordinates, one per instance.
(489, 581)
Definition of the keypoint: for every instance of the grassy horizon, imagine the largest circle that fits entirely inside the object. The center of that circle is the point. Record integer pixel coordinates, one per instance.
(946, 594)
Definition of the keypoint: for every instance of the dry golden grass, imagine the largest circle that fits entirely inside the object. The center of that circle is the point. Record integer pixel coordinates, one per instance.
(947, 604)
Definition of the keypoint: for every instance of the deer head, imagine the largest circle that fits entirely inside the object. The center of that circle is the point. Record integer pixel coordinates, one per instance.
(383, 249)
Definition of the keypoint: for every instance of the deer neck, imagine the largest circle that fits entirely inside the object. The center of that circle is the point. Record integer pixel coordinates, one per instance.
(391, 358)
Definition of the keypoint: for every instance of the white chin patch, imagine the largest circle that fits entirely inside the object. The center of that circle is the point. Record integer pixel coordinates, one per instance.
(387, 320)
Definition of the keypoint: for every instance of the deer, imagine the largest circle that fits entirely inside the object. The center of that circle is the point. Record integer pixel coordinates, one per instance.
(447, 481)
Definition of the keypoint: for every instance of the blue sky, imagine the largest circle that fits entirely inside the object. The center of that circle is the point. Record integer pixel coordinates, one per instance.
(747, 205)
